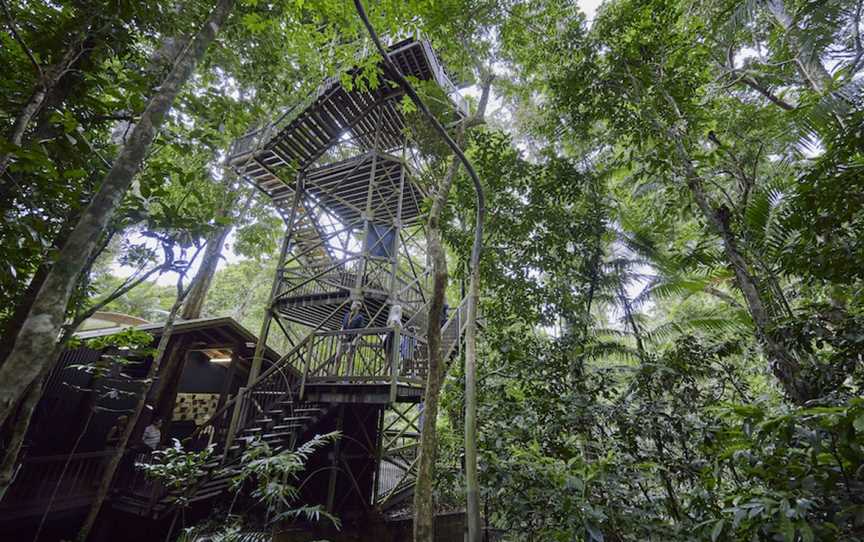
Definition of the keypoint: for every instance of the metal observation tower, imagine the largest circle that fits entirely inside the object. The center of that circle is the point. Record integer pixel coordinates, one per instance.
(351, 287)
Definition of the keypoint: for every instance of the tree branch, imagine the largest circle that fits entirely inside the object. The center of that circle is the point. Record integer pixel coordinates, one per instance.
(21, 42)
(749, 80)
(120, 291)
(409, 90)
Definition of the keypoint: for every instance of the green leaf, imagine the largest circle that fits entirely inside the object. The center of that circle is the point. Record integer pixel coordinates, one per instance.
(717, 530)
(594, 534)
(859, 423)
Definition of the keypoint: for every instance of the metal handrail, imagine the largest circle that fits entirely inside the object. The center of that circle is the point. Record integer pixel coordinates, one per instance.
(277, 366)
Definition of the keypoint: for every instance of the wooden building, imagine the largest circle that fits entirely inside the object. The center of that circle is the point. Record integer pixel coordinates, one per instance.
(67, 444)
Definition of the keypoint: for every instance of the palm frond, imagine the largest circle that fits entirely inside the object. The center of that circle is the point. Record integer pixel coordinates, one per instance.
(819, 121)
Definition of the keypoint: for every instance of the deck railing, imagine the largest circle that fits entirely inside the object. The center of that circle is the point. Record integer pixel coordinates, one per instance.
(365, 356)
(48, 480)
(332, 277)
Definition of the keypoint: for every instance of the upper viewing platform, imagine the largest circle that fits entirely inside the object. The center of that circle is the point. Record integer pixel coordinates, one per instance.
(333, 115)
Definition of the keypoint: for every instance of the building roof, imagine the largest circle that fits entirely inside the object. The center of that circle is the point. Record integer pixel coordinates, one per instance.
(216, 331)
(109, 319)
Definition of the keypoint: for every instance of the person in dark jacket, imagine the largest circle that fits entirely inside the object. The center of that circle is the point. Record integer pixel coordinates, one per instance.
(353, 319)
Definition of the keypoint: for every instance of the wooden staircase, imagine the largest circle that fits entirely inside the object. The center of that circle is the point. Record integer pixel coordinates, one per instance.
(270, 411)
(280, 428)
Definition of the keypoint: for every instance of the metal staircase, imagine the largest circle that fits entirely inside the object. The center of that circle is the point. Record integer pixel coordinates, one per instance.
(271, 410)
(351, 291)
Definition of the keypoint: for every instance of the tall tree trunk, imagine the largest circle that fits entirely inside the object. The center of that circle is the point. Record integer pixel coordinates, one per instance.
(165, 394)
(17, 431)
(39, 332)
(472, 482)
(425, 523)
(424, 507)
(18, 425)
(166, 389)
(111, 468)
(204, 278)
(784, 366)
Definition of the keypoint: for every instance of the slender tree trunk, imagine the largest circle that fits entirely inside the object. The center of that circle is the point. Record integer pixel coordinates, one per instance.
(18, 431)
(204, 278)
(111, 469)
(785, 367)
(38, 334)
(424, 505)
(472, 482)
(166, 389)
(20, 423)
(48, 80)
(424, 523)
(165, 393)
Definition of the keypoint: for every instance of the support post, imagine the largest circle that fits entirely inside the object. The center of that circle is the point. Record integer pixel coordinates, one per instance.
(307, 362)
(396, 352)
(367, 213)
(334, 463)
(258, 357)
(235, 420)
(379, 455)
(229, 376)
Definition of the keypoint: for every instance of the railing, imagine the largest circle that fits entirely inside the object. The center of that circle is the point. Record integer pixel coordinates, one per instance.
(275, 385)
(444, 81)
(331, 277)
(274, 388)
(365, 355)
(368, 355)
(452, 330)
(135, 484)
(398, 467)
(328, 278)
(46, 480)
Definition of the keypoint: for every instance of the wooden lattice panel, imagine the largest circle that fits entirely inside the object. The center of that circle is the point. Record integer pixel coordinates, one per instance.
(197, 407)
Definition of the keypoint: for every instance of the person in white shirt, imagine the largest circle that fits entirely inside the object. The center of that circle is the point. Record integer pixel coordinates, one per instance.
(152, 434)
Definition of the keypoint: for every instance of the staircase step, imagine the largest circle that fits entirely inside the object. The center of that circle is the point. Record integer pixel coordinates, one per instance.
(278, 436)
(310, 410)
(301, 419)
(222, 481)
(280, 428)
(206, 495)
